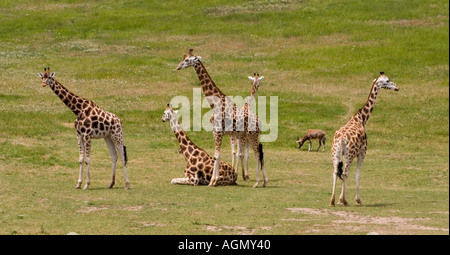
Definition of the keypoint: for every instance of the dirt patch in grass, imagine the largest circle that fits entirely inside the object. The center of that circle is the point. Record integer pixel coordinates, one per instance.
(439, 21)
(355, 222)
(90, 209)
(240, 230)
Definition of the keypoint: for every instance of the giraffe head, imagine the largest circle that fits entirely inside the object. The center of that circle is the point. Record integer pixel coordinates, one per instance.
(47, 77)
(256, 79)
(384, 82)
(188, 60)
(169, 114)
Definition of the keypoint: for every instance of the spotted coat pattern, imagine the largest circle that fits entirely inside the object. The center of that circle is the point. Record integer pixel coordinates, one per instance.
(350, 141)
(91, 123)
(227, 119)
(200, 165)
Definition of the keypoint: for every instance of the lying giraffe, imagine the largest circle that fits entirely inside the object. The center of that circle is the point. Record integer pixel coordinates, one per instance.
(350, 141)
(91, 123)
(227, 119)
(199, 164)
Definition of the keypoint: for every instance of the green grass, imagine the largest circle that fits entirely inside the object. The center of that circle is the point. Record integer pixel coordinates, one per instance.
(318, 57)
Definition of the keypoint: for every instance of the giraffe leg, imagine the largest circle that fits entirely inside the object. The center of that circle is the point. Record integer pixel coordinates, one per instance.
(323, 143)
(117, 139)
(182, 181)
(246, 176)
(81, 160)
(240, 159)
(239, 148)
(233, 142)
(347, 164)
(87, 159)
(337, 151)
(357, 175)
(243, 143)
(215, 175)
(335, 164)
(309, 149)
(320, 144)
(121, 150)
(255, 144)
(263, 169)
(114, 157)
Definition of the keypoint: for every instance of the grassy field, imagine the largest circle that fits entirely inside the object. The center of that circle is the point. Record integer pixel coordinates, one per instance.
(318, 57)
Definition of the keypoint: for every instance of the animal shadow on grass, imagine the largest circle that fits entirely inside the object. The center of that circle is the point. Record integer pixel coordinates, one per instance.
(379, 205)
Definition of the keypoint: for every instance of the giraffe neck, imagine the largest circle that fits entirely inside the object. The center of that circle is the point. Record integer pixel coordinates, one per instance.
(366, 110)
(251, 98)
(74, 102)
(182, 138)
(208, 86)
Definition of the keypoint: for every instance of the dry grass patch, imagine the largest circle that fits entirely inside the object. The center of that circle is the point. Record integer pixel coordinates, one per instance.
(356, 222)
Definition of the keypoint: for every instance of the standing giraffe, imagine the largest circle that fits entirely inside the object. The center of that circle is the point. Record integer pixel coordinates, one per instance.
(350, 141)
(227, 119)
(199, 164)
(91, 122)
(243, 143)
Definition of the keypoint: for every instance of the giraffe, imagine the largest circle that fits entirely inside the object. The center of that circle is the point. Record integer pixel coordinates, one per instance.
(350, 141)
(199, 164)
(243, 143)
(227, 119)
(91, 123)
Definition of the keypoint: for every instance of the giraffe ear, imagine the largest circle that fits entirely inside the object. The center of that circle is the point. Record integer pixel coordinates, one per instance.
(251, 78)
(175, 112)
(52, 74)
(260, 78)
(41, 75)
(198, 57)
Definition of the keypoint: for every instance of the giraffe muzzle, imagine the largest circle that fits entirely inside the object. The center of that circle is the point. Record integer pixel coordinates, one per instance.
(43, 84)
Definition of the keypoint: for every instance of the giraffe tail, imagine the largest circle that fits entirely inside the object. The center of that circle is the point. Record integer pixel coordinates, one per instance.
(341, 164)
(339, 172)
(125, 154)
(261, 154)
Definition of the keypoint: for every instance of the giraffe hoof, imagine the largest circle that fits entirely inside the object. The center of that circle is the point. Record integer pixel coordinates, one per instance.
(86, 186)
(345, 203)
(127, 186)
(78, 186)
(255, 185)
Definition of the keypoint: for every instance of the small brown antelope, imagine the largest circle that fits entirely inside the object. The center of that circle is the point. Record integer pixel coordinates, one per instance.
(313, 134)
